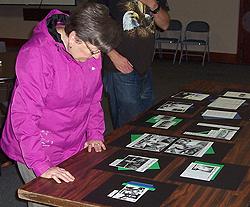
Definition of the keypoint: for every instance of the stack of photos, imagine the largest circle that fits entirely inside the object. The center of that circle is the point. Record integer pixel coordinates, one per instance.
(191, 96)
(189, 147)
(173, 145)
(131, 192)
(202, 171)
(236, 94)
(173, 106)
(133, 162)
(217, 114)
(163, 121)
(216, 131)
(152, 142)
(227, 103)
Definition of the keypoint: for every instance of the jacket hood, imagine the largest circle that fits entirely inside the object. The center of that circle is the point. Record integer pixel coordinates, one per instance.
(41, 28)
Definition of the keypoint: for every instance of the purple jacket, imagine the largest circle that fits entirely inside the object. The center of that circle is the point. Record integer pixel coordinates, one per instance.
(55, 106)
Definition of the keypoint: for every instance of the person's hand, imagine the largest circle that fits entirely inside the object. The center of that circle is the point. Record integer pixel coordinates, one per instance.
(152, 4)
(96, 144)
(58, 174)
(121, 63)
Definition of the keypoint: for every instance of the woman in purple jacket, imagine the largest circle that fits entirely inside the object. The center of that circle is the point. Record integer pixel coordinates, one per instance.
(55, 109)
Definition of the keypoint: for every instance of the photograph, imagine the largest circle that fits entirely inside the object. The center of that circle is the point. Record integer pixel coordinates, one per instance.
(202, 171)
(136, 163)
(152, 142)
(130, 193)
(237, 94)
(216, 131)
(189, 147)
(191, 96)
(175, 106)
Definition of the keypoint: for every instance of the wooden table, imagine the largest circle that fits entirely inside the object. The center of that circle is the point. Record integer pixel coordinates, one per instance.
(81, 166)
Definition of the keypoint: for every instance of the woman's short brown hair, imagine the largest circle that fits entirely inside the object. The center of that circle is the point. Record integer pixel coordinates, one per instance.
(92, 23)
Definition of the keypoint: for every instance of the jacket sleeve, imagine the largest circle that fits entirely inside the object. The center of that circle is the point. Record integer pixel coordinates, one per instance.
(26, 108)
(96, 125)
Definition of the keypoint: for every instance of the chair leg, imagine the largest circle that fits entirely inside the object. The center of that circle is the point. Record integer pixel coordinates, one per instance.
(204, 55)
(181, 54)
(186, 52)
(208, 53)
(175, 54)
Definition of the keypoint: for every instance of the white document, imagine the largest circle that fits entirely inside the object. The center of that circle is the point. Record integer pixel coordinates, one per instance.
(190, 96)
(189, 147)
(227, 103)
(164, 124)
(201, 171)
(222, 131)
(152, 142)
(175, 106)
(130, 193)
(234, 94)
(219, 114)
(133, 162)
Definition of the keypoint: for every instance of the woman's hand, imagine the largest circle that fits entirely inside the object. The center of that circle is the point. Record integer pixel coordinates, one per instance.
(96, 144)
(58, 174)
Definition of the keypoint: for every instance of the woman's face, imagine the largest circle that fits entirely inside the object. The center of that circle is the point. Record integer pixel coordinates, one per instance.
(80, 50)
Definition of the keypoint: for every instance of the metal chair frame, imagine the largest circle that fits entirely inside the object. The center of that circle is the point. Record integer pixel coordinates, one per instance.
(171, 36)
(196, 28)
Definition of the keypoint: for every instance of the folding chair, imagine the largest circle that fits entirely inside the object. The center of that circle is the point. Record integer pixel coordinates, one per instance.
(196, 34)
(172, 36)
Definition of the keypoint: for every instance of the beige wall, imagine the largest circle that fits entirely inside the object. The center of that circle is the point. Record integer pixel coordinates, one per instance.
(222, 15)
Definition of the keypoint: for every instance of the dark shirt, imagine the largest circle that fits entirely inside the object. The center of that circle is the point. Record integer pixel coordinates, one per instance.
(137, 43)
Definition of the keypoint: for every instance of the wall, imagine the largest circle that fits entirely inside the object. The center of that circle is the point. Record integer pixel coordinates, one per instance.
(222, 16)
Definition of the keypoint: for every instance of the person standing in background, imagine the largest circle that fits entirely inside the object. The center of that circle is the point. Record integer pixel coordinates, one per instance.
(55, 109)
(127, 69)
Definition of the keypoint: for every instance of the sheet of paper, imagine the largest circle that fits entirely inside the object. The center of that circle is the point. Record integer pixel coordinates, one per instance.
(227, 103)
(130, 193)
(235, 94)
(152, 142)
(175, 106)
(214, 131)
(189, 147)
(202, 171)
(219, 114)
(132, 162)
(190, 96)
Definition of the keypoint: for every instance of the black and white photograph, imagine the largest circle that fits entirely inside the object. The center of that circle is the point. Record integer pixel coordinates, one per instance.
(237, 94)
(216, 131)
(191, 96)
(160, 117)
(152, 142)
(132, 162)
(202, 171)
(162, 124)
(163, 121)
(130, 193)
(172, 106)
(189, 147)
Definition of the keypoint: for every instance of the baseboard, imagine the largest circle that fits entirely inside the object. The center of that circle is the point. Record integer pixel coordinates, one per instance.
(214, 57)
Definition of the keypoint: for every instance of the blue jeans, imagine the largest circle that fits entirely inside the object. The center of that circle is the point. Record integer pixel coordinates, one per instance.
(129, 94)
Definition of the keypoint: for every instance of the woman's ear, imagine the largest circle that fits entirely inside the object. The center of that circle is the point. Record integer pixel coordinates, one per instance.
(72, 37)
